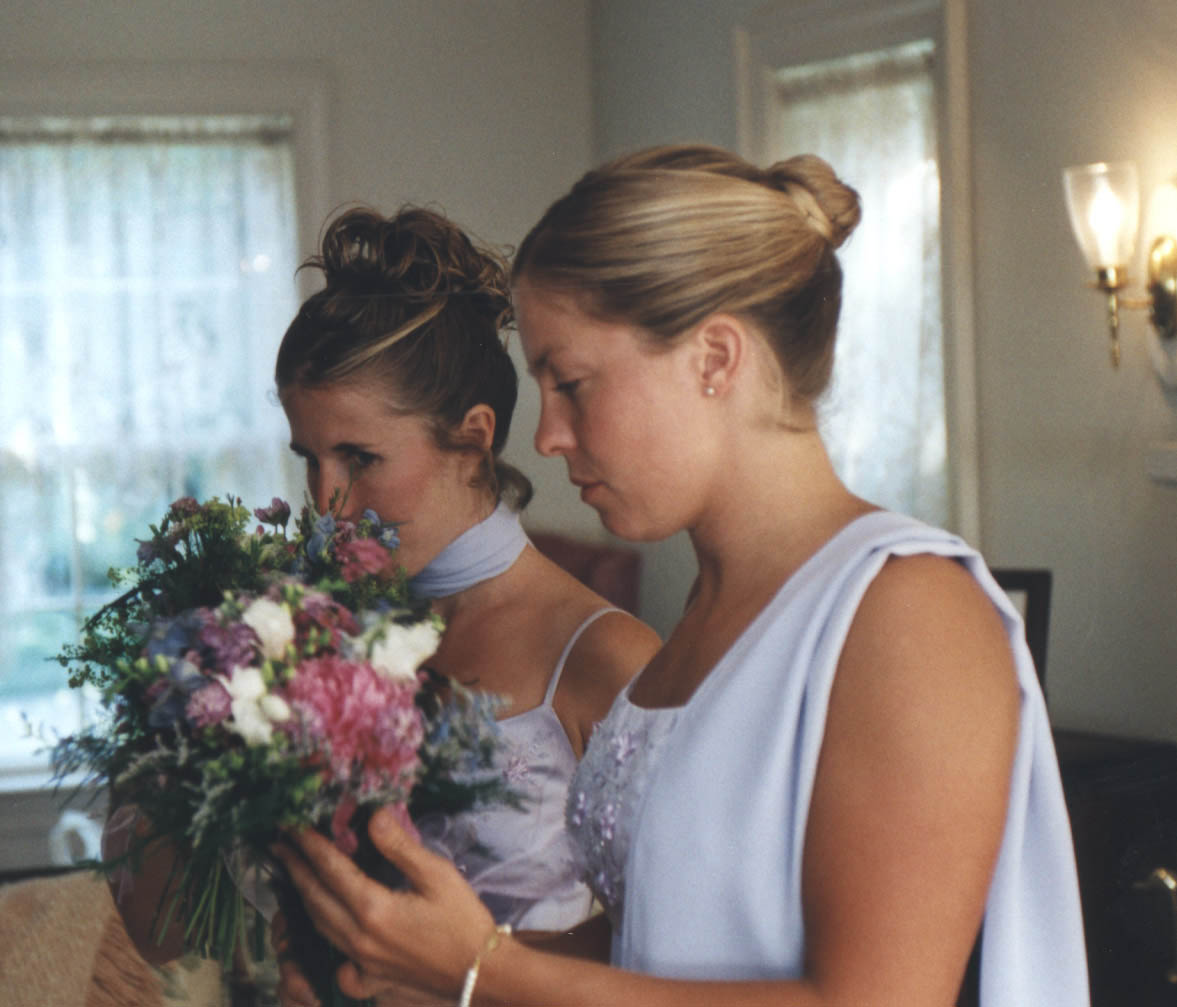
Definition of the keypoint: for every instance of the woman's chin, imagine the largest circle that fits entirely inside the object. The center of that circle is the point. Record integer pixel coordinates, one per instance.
(628, 526)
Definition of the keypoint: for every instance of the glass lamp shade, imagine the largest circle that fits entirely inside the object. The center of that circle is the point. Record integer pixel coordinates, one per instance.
(1103, 201)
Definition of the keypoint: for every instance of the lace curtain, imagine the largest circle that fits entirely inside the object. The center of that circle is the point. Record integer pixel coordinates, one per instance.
(146, 276)
(872, 116)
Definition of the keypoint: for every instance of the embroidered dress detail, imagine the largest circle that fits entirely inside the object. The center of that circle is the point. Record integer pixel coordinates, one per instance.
(479, 553)
(607, 790)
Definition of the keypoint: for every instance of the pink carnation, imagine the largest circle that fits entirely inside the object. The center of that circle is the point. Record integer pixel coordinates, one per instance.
(364, 557)
(362, 721)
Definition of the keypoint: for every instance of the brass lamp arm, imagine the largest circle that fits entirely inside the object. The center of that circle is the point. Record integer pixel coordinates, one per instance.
(1161, 301)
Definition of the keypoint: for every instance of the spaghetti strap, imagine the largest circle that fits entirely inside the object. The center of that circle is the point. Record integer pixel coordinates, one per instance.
(555, 680)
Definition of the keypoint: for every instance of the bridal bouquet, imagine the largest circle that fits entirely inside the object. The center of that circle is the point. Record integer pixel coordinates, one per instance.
(264, 676)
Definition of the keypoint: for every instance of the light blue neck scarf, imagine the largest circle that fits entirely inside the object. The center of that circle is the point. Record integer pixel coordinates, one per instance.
(479, 553)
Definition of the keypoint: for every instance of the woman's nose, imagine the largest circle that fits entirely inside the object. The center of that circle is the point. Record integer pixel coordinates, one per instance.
(329, 491)
(553, 435)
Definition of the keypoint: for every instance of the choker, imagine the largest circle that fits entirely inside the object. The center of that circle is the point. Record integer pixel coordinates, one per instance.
(479, 553)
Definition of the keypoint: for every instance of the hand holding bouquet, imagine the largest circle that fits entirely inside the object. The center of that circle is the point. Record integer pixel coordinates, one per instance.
(260, 680)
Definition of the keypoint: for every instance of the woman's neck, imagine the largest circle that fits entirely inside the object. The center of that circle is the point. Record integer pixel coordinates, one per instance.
(780, 501)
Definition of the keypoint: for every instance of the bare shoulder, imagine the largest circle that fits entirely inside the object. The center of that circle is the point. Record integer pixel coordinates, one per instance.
(923, 613)
(927, 657)
(606, 656)
(607, 653)
(614, 647)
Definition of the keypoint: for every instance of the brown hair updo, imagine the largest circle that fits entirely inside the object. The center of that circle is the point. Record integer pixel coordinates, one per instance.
(412, 304)
(664, 237)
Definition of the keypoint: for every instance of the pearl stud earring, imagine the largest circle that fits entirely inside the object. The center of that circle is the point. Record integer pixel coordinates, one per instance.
(708, 390)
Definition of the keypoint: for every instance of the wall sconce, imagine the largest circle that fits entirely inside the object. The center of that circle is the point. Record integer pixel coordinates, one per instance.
(1104, 205)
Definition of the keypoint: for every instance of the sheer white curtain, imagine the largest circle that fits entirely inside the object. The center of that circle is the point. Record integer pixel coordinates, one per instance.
(146, 277)
(872, 116)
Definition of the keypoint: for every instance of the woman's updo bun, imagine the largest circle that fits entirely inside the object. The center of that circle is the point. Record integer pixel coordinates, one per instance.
(409, 302)
(666, 236)
(831, 206)
(417, 253)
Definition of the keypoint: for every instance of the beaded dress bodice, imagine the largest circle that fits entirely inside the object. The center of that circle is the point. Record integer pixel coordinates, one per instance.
(606, 794)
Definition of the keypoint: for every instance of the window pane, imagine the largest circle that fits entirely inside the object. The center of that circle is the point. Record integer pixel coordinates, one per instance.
(146, 276)
(872, 116)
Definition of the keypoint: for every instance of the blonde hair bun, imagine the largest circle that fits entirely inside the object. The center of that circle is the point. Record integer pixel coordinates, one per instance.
(830, 206)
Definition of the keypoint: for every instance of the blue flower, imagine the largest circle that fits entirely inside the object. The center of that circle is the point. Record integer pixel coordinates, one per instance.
(324, 529)
(173, 637)
(184, 678)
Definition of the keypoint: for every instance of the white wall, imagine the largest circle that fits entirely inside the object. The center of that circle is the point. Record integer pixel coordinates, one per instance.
(1062, 436)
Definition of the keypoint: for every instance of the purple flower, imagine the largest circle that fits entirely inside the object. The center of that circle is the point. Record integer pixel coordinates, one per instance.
(277, 514)
(231, 646)
(185, 507)
(209, 705)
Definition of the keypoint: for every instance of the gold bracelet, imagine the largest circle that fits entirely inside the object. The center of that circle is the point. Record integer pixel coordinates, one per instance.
(492, 942)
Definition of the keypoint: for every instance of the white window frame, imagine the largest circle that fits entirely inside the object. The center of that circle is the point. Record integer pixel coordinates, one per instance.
(796, 34)
(29, 808)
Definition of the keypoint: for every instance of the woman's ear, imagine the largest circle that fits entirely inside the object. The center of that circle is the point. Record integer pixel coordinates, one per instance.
(721, 343)
(477, 428)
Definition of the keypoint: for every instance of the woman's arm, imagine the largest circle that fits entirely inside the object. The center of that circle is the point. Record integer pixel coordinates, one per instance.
(912, 787)
(590, 940)
(904, 826)
(143, 888)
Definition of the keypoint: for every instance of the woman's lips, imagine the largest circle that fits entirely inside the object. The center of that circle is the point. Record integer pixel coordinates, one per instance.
(586, 486)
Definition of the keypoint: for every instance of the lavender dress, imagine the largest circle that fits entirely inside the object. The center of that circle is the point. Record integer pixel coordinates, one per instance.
(521, 862)
(690, 822)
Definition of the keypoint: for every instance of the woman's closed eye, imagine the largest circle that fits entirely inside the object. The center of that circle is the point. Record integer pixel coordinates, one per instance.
(357, 461)
(567, 387)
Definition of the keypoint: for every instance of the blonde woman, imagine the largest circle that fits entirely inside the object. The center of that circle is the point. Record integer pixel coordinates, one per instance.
(839, 765)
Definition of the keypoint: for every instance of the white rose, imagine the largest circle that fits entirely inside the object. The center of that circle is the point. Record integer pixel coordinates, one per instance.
(253, 711)
(398, 651)
(272, 623)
